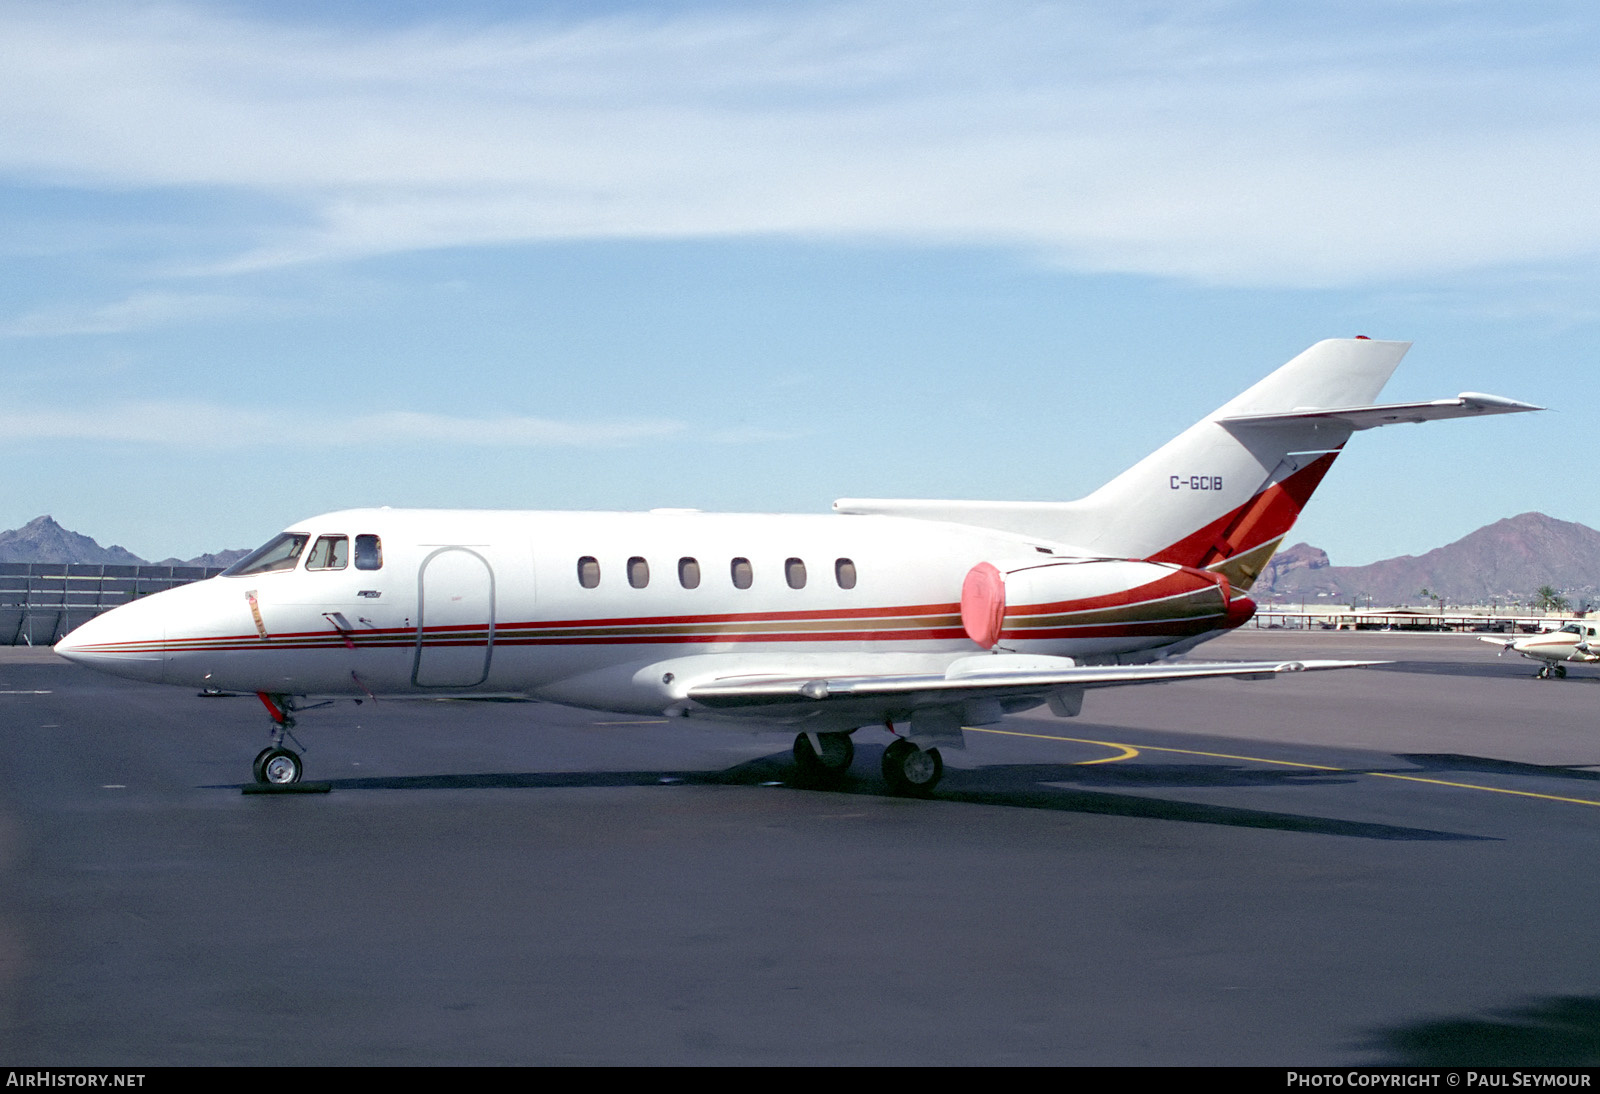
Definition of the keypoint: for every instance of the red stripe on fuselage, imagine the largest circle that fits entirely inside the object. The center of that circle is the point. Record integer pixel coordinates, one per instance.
(755, 617)
(1155, 629)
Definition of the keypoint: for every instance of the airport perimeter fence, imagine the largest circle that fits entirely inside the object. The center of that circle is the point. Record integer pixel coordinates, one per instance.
(41, 601)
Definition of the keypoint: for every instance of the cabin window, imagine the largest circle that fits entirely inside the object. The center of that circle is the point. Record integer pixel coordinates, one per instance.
(279, 553)
(743, 576)
(638, 572)
(369, 553)
(794, 572)
(588, 571)
(689, 573)
(844, 572)
(329, 553)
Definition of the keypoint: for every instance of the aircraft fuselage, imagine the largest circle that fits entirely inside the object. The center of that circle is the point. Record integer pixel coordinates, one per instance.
(581, 607)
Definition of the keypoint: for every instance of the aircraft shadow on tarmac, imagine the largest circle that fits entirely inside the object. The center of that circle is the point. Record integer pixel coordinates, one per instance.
(1558, 1031)
(1027, 786)
(1439, 763)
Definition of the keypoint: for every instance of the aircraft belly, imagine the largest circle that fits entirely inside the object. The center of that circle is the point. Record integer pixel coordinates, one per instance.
(656, 679)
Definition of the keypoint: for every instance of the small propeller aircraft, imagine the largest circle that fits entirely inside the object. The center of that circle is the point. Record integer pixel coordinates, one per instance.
(918, 616)
(1569, 643)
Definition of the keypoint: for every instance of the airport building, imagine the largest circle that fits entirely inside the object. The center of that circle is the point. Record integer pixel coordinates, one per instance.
(41, 601)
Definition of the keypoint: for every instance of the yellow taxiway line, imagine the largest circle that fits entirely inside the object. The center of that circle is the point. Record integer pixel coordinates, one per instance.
(1128, 752)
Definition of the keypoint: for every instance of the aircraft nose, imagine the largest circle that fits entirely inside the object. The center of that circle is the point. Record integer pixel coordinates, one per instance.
(127, 641)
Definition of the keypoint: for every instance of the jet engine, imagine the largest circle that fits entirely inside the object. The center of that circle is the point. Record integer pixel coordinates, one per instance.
(1089, 599)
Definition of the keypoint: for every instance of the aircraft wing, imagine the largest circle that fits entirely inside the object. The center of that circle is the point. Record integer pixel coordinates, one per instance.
(940, 689)
(1468, 404)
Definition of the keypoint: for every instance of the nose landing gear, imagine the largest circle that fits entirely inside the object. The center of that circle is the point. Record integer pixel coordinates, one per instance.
(277, 765)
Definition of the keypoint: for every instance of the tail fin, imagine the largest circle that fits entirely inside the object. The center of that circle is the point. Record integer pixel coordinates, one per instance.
(1223, 496)
(1223, 493)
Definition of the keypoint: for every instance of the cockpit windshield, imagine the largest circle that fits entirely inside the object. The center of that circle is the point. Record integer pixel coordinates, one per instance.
(1571, 628)
(279, 553)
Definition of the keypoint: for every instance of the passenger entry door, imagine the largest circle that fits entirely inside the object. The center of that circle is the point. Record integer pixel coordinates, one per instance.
(455, 619)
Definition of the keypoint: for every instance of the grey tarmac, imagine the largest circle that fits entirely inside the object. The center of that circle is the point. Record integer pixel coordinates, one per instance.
(1394, 865)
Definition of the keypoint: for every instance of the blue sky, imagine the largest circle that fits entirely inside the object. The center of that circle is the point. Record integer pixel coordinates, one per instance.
(266, 260)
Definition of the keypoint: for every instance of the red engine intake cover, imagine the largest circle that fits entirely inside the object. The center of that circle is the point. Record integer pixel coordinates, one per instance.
(983, 604)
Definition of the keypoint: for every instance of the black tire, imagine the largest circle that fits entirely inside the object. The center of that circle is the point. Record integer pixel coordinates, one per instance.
(256, 765)
(1561, 672)
(281, 767)
(912, 770)
(838, 752)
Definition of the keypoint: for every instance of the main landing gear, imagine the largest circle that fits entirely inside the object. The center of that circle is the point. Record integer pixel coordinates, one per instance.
(1558, 672)
(276, 765)
(911, 770)
(823, 757)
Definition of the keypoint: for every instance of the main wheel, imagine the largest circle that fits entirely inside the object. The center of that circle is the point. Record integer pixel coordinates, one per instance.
(911, 770)
(837, 754)
(1560, 671)
(278, 767)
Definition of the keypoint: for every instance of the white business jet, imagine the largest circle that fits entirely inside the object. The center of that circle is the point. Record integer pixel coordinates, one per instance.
(918, 616)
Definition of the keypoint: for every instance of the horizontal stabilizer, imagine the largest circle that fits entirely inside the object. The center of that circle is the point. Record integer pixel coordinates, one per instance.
(939, 689)
(1468, 404)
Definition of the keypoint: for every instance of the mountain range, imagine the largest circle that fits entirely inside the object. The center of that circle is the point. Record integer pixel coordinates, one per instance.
(43, 540)
(1505, 561)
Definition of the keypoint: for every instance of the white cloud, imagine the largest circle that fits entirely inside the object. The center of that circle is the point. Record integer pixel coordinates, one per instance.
(198, 426)
(1211, 142)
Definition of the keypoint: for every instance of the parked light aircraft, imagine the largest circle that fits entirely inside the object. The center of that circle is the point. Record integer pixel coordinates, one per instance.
(919, 616)
(1571, 642)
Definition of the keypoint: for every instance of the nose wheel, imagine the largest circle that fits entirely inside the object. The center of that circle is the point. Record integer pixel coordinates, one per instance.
(277, 766)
